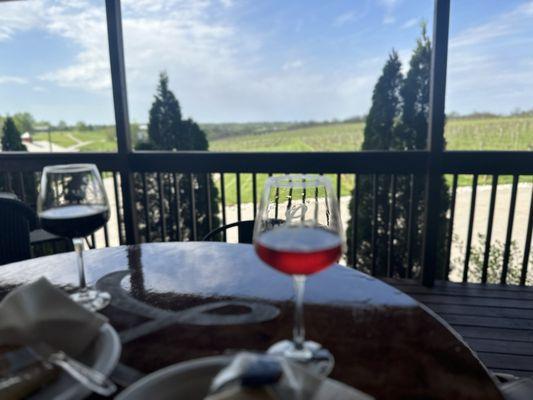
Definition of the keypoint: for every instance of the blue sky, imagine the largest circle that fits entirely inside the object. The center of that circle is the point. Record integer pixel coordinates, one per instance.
(254, 60)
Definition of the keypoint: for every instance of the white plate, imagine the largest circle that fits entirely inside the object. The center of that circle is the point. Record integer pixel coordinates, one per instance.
(188, 380)
(102, 355)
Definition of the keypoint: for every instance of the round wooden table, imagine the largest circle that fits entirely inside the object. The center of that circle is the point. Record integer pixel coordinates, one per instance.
(178, 301)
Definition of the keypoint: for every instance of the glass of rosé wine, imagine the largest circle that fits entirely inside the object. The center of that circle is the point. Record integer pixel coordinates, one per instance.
(298, 231)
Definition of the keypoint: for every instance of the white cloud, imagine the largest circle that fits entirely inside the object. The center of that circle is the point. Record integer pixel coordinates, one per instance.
(487, 67)
(410, 23)
(389, 19)
(12, 79)
(295, 64)
(389, 6)
(227, 3)
(344, 18)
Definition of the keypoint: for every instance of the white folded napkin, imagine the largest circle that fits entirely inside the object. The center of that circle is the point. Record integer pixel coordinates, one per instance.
(281, 380)
(39, 312)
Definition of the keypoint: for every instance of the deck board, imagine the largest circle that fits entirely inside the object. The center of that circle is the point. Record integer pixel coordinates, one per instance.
(496, 321)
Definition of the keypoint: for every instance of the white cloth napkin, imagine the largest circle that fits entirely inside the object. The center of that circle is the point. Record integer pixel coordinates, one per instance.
(296, 382)
(39, 312)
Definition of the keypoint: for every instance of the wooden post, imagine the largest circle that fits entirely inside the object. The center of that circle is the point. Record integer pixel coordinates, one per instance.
(120, 100)
(435, 140)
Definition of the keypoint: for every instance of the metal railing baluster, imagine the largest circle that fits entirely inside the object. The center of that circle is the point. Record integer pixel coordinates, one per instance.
(390, 230)
(163, 222)
(254, 193)
(22, 187)
(374, 223)
(238, 189)
(208, 201)
(176, 181)
(450, 227)
(488, 236)
(118, 209)
(508, 236)
(223, 199)
(192, 199)
(470, 228)
(339, 187)
(527, 248)
(146, 208)
(355, 212)
(411, 226)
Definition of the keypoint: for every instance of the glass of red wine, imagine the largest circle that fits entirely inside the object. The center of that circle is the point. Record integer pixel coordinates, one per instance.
(298, 231)
(73, 203)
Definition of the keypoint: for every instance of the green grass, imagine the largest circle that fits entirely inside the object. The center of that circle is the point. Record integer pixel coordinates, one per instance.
(328, 137)
(60, 138)
(502, 133)
(97, 140)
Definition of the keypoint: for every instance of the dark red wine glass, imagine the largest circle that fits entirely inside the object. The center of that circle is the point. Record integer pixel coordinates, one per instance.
(73, 203)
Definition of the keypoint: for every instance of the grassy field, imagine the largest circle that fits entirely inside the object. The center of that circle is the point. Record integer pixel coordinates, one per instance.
(461, 134)
(502, 133)
(95, 140)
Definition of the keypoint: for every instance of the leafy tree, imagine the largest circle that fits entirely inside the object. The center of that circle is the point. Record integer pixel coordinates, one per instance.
(24, 121)
(168, 131)
(62, 125)
(398, 120)
(11, 137)
(81, 126)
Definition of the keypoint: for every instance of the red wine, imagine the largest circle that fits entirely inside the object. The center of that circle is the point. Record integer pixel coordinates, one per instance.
(299, 250)
(74, 221)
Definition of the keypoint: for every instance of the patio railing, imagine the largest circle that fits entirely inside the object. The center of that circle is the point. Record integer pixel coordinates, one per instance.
(344, 168)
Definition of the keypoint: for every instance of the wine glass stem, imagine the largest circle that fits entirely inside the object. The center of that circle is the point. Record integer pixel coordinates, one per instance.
(78, 247)
(299, 330)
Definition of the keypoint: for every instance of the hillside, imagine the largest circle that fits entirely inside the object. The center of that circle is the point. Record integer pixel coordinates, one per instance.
(503, 133)
(499, 133)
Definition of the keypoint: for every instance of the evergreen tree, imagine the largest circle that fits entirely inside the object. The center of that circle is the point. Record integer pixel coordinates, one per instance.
(165, 124)
(11, 142)
(378, 134)
(398, 120)
(411, 133)
(11, 137)
(168, 131)
(385, 107)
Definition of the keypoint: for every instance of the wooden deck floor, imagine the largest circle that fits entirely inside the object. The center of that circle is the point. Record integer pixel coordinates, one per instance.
(496, 321)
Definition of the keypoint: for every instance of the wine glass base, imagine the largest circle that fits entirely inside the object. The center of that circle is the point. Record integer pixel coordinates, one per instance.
(313, 356)
(91, 299)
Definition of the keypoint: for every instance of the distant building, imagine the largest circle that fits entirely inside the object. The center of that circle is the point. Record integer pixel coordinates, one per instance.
(142, 132)
(26, 137)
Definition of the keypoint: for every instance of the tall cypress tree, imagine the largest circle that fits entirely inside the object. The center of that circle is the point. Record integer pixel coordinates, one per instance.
(398, 120)
(411, 134)
(11, 137)
(11, 141)
(378, 135)
(168, 131)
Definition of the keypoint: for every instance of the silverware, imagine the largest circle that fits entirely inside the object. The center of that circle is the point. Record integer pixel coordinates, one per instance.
(88, 377)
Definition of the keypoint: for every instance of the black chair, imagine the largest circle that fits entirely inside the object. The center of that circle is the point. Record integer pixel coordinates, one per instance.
(16, 222)
(246, 231)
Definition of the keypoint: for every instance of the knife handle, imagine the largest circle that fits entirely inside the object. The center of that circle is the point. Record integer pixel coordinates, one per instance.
(90, 378)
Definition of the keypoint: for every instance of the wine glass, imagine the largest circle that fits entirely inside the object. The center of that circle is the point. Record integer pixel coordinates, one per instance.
(73, 203)
(298, 231)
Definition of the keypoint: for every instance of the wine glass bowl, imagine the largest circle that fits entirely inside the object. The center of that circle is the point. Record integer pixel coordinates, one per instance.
(73, 203)
(298, 231)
